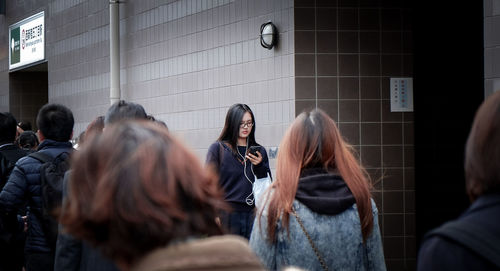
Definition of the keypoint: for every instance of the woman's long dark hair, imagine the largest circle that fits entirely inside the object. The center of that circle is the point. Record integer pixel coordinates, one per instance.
(231, 128)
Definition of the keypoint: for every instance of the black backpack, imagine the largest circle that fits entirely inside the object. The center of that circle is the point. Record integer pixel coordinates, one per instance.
(51, 183)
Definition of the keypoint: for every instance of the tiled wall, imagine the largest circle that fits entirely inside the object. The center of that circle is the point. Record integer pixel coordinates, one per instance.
(77, 50)
(78, 57)
(345, 53)
(491, 46)
(188, 61)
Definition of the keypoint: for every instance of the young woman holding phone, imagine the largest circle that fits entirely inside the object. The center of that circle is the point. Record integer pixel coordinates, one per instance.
(238, 168)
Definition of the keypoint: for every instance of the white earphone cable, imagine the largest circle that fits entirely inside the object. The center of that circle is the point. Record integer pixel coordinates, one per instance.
(249, 200)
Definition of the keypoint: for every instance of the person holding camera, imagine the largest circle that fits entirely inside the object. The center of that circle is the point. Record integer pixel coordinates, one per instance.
(239, 160)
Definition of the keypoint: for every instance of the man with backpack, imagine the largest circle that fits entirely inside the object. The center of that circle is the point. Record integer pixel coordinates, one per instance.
(35, 181)
(11, 236)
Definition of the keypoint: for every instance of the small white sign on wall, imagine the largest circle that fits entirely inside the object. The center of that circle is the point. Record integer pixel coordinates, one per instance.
(402, 94)
(272, 153)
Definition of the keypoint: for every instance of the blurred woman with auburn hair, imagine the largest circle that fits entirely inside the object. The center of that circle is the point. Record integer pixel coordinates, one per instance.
(318, 214)
(144, 199)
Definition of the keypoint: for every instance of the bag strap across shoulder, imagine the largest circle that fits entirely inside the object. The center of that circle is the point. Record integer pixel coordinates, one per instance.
(42, 157)
(315, 249)
(472, 236)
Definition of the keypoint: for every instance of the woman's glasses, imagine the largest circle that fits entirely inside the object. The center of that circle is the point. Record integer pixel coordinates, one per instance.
(249, 124)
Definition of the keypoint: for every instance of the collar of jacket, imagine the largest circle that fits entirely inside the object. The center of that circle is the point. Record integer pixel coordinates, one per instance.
(323, 192)
(227, 252)
(49, 143)
(8, 146)
(485, 201)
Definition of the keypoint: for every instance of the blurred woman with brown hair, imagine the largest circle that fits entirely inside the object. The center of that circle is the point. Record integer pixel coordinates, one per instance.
(144, 199)
(318, 214)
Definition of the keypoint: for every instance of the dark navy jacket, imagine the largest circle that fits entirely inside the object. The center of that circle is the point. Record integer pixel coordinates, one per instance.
(438, 253)
(23, 187)
(231, 177)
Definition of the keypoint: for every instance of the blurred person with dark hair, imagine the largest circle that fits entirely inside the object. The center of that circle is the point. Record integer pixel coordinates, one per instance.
(73, 254)
(472, 242)
(124, 110)
(144, 199)
(55, 123)
(23, 126)
(10, 152)
(11, 224)
(318, 214)
(28, 141)
(95, 126)
(157, 121)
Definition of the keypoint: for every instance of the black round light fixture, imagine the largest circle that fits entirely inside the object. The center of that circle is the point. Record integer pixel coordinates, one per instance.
(268, 35)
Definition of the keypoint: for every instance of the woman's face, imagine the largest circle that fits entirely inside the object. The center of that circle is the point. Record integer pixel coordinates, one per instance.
(246, 125)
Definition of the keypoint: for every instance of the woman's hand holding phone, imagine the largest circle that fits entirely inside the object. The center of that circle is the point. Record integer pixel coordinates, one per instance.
(254, 155)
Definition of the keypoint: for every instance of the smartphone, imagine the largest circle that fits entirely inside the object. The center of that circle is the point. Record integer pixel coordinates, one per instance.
(253, 150)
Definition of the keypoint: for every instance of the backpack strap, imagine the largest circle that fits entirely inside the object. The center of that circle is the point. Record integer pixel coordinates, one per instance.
(472, 236)
(42, 157)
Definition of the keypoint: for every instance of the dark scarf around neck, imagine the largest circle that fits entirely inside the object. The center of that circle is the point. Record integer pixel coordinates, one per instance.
(323, 192)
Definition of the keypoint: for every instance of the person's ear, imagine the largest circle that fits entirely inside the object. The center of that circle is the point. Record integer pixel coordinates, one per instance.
(40, 135)
(18, 131)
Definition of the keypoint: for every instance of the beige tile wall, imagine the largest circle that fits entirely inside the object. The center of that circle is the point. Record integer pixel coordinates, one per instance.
(188, 61)
(78, 57)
